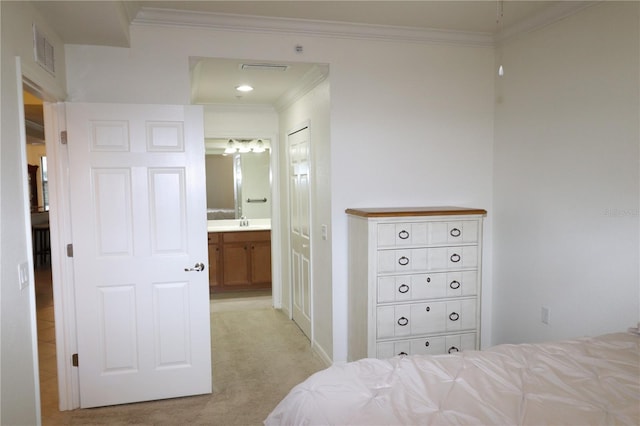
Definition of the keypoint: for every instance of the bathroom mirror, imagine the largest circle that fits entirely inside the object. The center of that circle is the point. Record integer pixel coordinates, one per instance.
(238, 178)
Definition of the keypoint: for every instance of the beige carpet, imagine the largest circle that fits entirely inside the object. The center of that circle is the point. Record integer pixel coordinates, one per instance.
(258, 355)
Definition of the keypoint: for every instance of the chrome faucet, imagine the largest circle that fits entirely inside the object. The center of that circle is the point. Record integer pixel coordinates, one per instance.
(244, 221)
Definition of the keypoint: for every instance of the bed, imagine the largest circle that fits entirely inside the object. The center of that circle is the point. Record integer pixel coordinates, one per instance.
(572, 382)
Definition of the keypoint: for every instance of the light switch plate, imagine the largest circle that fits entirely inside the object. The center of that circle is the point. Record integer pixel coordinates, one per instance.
(324, 232)
(23, 275)
(544, 315)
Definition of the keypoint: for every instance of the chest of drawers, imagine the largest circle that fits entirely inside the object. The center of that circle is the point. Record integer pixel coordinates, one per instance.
(414, 281)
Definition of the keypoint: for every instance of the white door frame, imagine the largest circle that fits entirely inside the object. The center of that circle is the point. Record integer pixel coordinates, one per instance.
(276, 236)
(61, 264)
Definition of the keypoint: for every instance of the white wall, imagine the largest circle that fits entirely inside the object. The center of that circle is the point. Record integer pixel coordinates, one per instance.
(313, 109)
(411, 123)
(567, 178)
(256, 184)
(19, 370)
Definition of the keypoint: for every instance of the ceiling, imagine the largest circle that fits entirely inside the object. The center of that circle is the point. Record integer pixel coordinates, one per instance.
(107, 23)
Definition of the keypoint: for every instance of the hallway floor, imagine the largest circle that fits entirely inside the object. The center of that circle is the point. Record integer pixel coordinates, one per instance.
(46, 341)
(258, 355)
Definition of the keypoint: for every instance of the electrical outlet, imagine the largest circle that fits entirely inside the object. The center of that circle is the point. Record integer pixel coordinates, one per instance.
(544, 315)
(23, 275)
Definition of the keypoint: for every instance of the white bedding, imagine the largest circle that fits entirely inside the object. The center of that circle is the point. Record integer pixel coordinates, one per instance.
(574, 382)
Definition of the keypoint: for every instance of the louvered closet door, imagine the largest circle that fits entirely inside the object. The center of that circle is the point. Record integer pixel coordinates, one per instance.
(139, 229)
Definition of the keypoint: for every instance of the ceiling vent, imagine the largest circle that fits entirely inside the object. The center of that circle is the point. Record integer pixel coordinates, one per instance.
(43, 51)
(264, 67)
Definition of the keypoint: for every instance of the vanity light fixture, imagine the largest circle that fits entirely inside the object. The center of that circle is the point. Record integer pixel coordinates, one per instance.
(244, 88)
(244, 146)
(230, 149)
(259, 146)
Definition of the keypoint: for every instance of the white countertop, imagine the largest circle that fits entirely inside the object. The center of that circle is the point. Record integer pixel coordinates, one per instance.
(233, 225)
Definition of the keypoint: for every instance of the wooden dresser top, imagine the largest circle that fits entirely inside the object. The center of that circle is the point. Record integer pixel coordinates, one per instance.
(414, 211)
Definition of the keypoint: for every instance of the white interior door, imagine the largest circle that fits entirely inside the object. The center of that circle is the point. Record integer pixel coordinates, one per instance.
(299, 200)
(138, 212)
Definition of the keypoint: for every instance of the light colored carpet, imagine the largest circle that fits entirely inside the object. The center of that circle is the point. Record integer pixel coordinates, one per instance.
(258, 355)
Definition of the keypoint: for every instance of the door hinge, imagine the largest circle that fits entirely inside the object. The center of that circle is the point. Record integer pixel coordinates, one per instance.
(63, 137)
(74, 360)
(69, 250)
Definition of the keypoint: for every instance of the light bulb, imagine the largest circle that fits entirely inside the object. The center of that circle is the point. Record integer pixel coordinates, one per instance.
(230, 149)
(500, 71)
(259, 146)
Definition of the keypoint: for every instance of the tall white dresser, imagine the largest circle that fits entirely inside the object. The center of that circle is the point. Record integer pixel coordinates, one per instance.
(414, 280)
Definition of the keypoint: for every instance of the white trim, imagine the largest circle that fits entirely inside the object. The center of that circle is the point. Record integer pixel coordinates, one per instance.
(276, 235)
(316, 75)
(321, 354)
(547, 16)
(29, 243)
(314, 28)
(276, 226)
(348, 30)
(61, 266)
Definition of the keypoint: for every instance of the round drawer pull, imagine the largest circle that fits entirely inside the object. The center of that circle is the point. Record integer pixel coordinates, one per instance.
(428, 279)
(428, 309)
(454, 316)
(403, 235)
(426, 343)
(453, 349)
(403, 288)
(402, 321)
(455, 258)
(454, 285)
(455, 232)
(403, 261)
(403, 353)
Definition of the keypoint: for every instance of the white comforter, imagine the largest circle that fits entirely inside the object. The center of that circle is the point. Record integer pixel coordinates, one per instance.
(577, 382)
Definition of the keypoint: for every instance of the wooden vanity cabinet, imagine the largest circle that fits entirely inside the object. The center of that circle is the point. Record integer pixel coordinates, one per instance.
(261, 263)
(243, 263)
(215, 266)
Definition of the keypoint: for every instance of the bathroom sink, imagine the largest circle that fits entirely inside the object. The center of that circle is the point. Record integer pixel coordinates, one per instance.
(234, 225)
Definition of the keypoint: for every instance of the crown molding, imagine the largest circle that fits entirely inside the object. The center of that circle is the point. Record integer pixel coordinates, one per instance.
(261, 24)
(554, 13)
(311, 79)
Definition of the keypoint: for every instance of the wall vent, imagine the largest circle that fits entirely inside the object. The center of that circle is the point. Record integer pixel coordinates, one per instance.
(264, 67)
(43, 51)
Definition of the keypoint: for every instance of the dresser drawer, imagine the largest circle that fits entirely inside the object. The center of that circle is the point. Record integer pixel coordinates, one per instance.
(425, 259)
(425, 318)
(406, 288)
(427, 345)
(427, 233)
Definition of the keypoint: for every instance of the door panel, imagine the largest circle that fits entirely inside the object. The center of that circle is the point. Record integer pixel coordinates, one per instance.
(139, 227)
(299, 199)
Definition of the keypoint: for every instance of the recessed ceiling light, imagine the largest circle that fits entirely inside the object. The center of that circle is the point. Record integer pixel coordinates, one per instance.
(244, 88)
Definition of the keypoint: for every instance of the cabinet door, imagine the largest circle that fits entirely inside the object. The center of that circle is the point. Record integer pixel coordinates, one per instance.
(214, 261)
(260, 263)
(235, 264)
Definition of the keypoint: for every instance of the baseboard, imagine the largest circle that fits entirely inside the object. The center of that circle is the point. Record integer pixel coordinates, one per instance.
(317, 349)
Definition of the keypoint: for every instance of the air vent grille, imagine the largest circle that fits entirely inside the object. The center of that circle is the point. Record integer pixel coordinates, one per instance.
(43, 50)
(264, 67)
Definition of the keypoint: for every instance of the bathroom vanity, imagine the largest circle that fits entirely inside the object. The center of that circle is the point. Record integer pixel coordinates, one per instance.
(239, 256)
